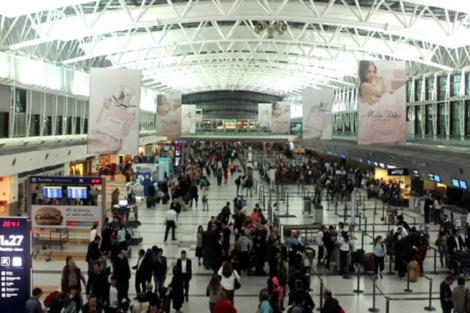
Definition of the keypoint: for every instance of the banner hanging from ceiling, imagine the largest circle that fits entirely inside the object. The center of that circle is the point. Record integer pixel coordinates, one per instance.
(113, 120)
(381, 103)
(316, 119)
(280, 118)
(188, 122)
(264, 115)
(168, 115)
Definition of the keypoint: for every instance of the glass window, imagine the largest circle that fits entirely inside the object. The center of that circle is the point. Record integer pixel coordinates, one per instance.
(429, 88)
(441, 88)
(76, 130)
(4, 123)
(339, 124)
(47, 126)
(428, 120)
(58, 126)
(455, 85)
(467, 118)
(455, 118)
(85, 127)
(68, 125)
(467, 83)
(408, 114)
(20, 101)
(441, 119)
(409, 90)
(35, 125)
(418, 89)
(418, 120)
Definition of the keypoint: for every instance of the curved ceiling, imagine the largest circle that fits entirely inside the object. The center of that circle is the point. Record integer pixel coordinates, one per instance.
(200, 45)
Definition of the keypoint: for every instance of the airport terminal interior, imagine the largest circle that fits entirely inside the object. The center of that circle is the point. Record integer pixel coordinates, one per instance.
(321, 145)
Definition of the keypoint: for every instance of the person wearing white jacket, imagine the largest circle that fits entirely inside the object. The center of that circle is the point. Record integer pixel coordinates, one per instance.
(228, 280)
(321, 245)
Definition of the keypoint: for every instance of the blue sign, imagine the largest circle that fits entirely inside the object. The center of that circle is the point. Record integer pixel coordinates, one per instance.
(66, 180)
(15, 263)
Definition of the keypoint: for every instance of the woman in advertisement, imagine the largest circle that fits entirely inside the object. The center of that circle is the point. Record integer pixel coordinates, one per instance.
(168, 117)
(280, 118)
(382, 104)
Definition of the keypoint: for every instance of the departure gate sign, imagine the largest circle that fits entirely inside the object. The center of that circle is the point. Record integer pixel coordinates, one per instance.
(15, 263)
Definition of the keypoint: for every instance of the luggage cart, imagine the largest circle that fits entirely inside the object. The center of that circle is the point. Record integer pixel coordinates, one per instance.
(37, 247)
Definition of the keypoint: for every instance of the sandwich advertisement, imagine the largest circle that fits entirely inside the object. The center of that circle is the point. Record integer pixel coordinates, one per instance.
(65, 216)
(381, 103)
(316, 119)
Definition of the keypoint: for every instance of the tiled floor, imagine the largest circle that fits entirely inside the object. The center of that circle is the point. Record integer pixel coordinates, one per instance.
(246, 299)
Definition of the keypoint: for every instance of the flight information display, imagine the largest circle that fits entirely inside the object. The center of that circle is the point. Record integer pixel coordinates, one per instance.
(52, 192)
(15, 263)
(77, 192)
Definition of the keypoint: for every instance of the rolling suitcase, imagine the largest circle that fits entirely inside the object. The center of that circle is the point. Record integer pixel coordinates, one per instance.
(368, 262)
(158, 199)
(150, 202)
(165, 198)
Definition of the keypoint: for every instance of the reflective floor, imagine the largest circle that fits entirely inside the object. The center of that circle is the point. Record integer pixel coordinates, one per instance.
(48, 274)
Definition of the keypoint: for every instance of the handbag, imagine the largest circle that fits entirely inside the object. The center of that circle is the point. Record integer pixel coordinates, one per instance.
(237, 284)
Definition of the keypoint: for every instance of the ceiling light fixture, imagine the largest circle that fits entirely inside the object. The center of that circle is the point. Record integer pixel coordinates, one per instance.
(270, 28)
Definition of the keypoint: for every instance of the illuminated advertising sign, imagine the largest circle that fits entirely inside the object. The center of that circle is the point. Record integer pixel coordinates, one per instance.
(15, 263)
(398, 172)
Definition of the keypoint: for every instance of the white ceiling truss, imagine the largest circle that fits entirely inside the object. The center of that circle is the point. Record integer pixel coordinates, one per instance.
(185, 46)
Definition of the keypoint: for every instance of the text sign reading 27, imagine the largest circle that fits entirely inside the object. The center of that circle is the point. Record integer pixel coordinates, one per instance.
(11, 241)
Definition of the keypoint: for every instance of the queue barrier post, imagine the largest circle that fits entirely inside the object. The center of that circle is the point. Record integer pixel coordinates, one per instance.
(430, 308)
(362, 240)
(375, 207)
(336, 207)
(321, 296)
(358, 288)
(373, 230)
(346, 275)
(374, 309)
(387, 304)
(383, 213)
(408, 289)
(435, 261)
(256, 186)
(287, 204)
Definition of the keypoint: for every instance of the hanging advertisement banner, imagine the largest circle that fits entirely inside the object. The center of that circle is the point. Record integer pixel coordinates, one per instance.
(382, 103)
(316, 119)
(168, 115)
(188, 122)
(280, 118)
(264, 115)
(113, 118)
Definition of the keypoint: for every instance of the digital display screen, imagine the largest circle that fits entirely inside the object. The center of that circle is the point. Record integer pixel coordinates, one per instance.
(329, 153)
(376, 164)
(431, 177)
(15, 263)
(415, 173)
(77, 192)
(463, 184)
(437, 178)
(382, 165)
(455, 183)
(343, 156)
(368, 162)
(398, 172)
(52, 192)
(360, 160)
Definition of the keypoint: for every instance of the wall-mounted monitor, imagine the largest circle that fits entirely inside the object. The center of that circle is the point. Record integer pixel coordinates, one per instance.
(382, 165)
(455, 183)
(437, 178)
(376, 164)
(398, 172)
(415, 173)
(463, 184)
(431, 177)
(329, 153)
(369, 162)
(359, 160)
(51, 192)
(391, 166)
(343, 156)
(75, 192)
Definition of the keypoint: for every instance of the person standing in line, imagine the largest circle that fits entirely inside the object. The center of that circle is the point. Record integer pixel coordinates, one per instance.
(185, 265)
(380, 252)
(205, 199)
(428, 204)
(461, 297)
(200, 232)
(437, 205)
(321, 245)
(171, 220)
(264, 305)
(329, 245)
(344, 251)
(245, 247)
(213, 290)
(445, 294)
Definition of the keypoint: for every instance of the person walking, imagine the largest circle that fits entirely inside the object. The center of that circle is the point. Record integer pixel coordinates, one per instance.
(161, 266)
(380, 252)
(213, 290)
(445, 294)
(143, 270)
(461, 297)
(185, 265)
(171, 220)
(193, 192)
(205, 199)
(437, 205)
(229, 280)
(177, 286)
(199, 252)
(249, 186)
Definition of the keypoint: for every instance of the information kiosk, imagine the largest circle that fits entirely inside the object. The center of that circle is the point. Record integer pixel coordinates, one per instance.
(15, 263)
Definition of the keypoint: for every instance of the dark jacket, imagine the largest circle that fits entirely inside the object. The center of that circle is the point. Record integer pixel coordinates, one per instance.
(452, 244)
(189, 268)
(445, 292)
(93, 253)
(331, 306)
(160, 267)
(298, 276)
(86, 308)
(209, 238)
(122, 269)
(144, 272)
(98, 284)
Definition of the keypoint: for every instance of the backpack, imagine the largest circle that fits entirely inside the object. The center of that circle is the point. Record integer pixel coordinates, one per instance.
(53, 299)
(341, 310)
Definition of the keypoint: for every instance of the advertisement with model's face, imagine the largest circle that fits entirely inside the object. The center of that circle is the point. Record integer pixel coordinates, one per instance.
(188, 119)
(114, 111)
(316, 119)
(264, 115)
(168, 115)
(65, 216)
(382, 103)
(280, 117)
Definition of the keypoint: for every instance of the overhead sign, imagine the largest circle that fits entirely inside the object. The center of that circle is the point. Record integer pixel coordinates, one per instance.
(398, 172)
(66, 180)
(15, 263)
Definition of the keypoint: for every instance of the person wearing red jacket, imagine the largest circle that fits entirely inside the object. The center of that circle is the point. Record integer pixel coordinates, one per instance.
(421, 251)
(71, 277)
(223, 305)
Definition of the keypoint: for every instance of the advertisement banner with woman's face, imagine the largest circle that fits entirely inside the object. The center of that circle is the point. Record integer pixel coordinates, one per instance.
(382, 103)
(280, 118)
(168, 115)
(316, 119)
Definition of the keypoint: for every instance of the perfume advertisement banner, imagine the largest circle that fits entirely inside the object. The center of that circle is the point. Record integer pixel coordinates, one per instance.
(113, 121)
(264, 115)
(316, 119)
(382, 103)
(168, 115)
(188, 122)
(65, 216)
(280, 118)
